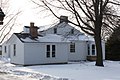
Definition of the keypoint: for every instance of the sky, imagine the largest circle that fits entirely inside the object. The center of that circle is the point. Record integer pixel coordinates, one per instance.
(29, 14)
(32, 14)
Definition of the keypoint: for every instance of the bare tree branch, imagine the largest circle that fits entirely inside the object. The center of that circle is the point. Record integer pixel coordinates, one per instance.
(10, 20)
(98, 17)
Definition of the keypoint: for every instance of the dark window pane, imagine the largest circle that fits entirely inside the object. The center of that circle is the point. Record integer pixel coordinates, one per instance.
(53, 47)
(88, 49)
(48, 51)
(55, 30)
(53, 54)
(53, 50)
(5, 49)
(72, 31)
(48, 54)
(93, 52)
(48, 47)
(93, 46)
(14, 47)
(72, 47)
(93, 49)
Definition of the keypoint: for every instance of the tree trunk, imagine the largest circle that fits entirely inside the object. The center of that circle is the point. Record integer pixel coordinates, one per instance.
(99, 60)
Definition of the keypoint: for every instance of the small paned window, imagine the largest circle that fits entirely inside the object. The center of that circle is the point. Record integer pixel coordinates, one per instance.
(48, 51)
(72, 31)
(14, 49)
(88, 49)
(5, 49)
(55, 30)
(72, 47)
(93, 49)
(53, 50)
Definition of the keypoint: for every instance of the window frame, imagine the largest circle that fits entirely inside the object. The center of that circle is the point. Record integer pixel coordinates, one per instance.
(72, 47)
(55, 30)
(88, 47)
(14, 49)
(72, 31)
(5, 49)
(53, 50)
(93, 49)
(50, 51)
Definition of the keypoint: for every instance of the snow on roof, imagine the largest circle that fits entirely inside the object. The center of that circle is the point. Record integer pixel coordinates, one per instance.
(53, 38)
(46, 38)
(86, 38)
(80, 38)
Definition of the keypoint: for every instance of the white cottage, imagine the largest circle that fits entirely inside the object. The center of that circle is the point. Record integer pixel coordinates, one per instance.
(82, 47)
(58, 44)
(31, 48)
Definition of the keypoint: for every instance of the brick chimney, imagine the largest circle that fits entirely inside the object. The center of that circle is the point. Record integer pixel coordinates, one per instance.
(33, 30)
(63, 19)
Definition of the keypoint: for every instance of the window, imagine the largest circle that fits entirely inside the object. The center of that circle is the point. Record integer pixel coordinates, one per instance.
(5, 49)
(72, 47)
(51, 50)
(48, 51)
(72, 31)
(14, 49)
(55, 30)
(88, 49)
(93, 49)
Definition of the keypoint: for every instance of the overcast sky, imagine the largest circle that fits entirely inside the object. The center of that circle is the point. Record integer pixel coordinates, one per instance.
(29, 13)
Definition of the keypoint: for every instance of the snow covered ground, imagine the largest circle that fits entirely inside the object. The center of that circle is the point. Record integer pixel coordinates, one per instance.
(71, 71)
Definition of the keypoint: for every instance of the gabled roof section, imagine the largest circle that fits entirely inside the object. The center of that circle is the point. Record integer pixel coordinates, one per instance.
(62, 25)
(22, 36)
(26, 38)
(62, 29)
(26, 26)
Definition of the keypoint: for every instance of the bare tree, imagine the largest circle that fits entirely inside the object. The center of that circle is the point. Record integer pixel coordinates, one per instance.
(94, 17)
(9, 20)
